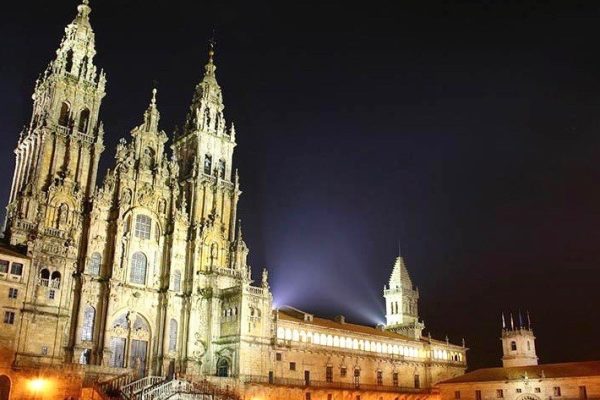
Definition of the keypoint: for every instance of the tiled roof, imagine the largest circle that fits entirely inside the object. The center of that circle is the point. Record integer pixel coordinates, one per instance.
(291, 314)
(562, 370)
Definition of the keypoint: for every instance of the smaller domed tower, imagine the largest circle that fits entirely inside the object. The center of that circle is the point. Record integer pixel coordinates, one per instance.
(518, 343)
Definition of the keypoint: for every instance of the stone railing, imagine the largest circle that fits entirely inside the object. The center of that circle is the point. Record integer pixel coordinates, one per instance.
(132, 389)
(55, 232)
(254, 290)
(85, 137)
(227, 271)
(264, 380)
(25, 225)
(111, 389)
(63, 130)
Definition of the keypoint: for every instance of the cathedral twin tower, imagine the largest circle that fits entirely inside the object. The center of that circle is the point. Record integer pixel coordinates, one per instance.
(148, 268)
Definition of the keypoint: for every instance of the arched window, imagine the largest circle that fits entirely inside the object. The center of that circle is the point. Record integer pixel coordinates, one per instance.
(172, 335)
(84, 118)
(55, 280)
(138, 268)
(95, 262)
(143, 225)
(513, 345)
(222, 169)
(223, 367)
(87, 329)
(63, 118)
(207, 164)
(69, 61)
(177, 280)
(44, 277)
(84, 64)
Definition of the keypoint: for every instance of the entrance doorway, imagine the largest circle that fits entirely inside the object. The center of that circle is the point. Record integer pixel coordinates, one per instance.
(223, 367)
(4, 387)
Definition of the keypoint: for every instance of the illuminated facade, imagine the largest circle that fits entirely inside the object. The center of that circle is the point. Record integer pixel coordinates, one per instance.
(148, 270)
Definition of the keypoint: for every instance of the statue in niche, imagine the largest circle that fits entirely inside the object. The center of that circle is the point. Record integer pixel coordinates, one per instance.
(213, 254)
(148, 158)
(63, 215)
(126, 197)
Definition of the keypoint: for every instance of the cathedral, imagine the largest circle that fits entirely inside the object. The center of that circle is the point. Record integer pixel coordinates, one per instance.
(147, 273)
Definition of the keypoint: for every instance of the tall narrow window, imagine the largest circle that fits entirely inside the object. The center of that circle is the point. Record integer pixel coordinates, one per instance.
(557, 391)
(478, 395)
(4, 266)
(356, 377)
(177, 280)
(417, 382)
(9, 317)
(513, 345)
(138, 268)
(69, 61)
(395, 379)
(329, 374)
(44, 277)
(172, 335)
(143, 225)
(84, 118)
(222, 169)
(87, 329)
(55, 280)
(95, 262)
(63, 119)
(379, 378)
(207, 164)
(16, 269)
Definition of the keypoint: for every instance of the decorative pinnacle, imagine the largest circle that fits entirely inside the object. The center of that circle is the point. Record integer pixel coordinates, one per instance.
(211, 47)
(153, 101)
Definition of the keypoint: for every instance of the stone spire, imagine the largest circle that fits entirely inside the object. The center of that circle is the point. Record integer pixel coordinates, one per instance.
(206, 110)
(77, 48)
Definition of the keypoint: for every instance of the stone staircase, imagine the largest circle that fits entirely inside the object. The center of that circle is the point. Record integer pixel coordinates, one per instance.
(159, 388)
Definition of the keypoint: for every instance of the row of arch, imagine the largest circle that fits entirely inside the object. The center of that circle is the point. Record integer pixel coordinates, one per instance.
(49, 279)
(208, 166)
(65, 114)
(346, 342)
(439, 354)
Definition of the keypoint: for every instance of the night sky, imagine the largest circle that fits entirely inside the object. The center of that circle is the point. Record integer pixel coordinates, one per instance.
(469, 132)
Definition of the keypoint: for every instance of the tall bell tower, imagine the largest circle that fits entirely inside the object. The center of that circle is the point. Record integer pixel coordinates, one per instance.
(209, 185)
(56, 165)
(58, 151)
(401, 302)
(518, 343)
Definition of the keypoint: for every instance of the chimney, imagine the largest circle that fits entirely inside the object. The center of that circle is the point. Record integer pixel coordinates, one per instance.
(340, 319)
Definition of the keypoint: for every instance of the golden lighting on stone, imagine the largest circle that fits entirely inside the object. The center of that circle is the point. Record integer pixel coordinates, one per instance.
(38, 385)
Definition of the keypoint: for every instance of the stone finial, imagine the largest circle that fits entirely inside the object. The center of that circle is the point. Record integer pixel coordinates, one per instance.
(265, 278)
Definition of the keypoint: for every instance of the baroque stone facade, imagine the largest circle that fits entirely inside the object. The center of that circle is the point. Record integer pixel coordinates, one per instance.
(148, 270)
